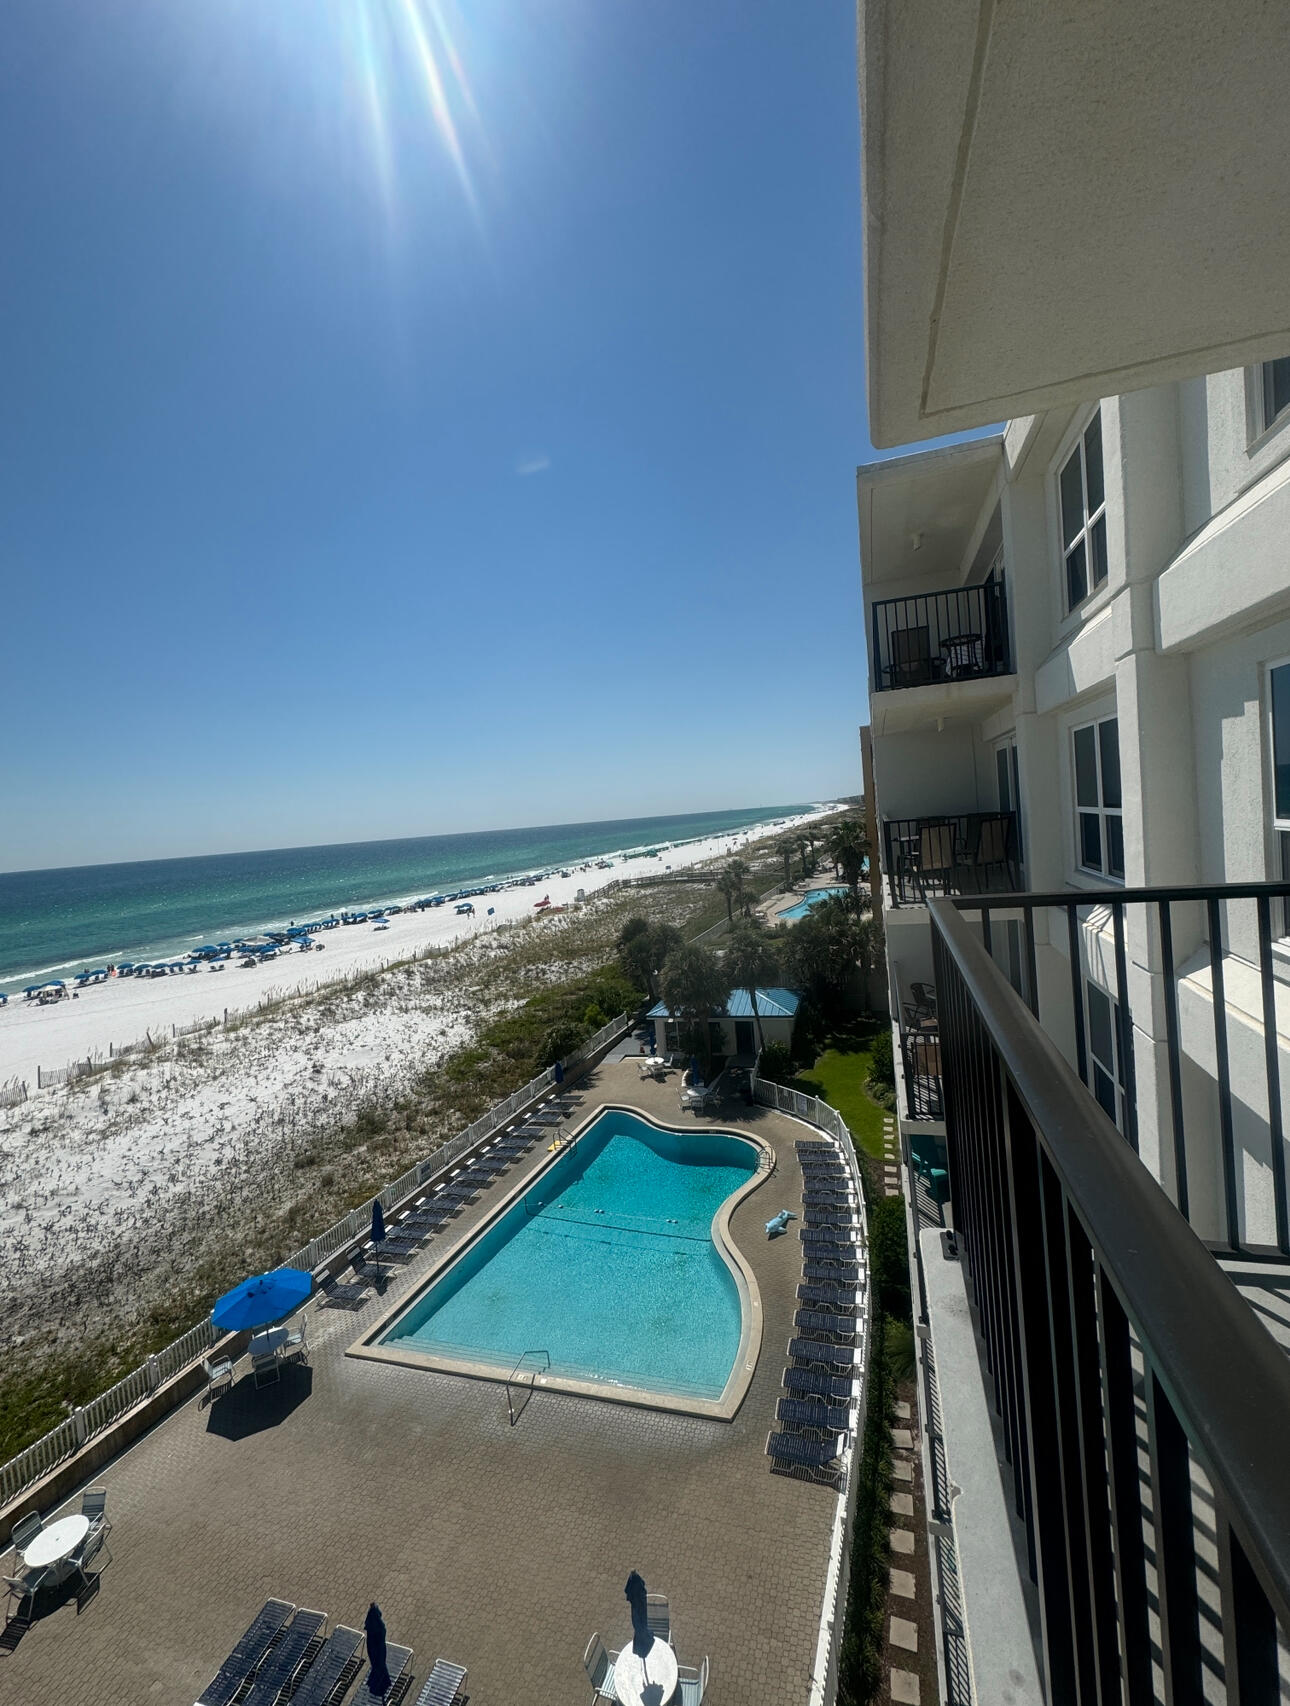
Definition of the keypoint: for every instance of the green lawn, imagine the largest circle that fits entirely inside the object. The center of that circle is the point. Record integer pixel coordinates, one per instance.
(838, 1078)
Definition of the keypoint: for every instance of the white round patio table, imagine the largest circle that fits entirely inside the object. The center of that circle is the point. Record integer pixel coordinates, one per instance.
(648, 1681)
(54, 1545)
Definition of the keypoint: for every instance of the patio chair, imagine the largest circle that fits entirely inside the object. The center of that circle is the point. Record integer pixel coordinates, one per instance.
(834, 1273)
(264, 1628)
(218, 1374)
(833, 1295)
(826, 1323)
(397, 1660)
(23, 1587)
(25, 1531)
(992, 851)
(813, 1214)
(831, 1236)
(924, 995)
(658, 1617)
(937, 859)
(443, 1685)
(266, 1368)
(692, 1684)
(599, 1666)
(813, 1458)
(337, 1664)
(296, 1344)
(910, 651)
(342, 1296)
(807, 1415)
(822, 1352)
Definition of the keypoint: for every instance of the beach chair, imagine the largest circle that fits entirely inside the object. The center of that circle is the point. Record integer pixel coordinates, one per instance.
(443, 1685)
(25, 1530)
(814, 1215)
(820, 1323)
(218, 1374)
(287, 1657)
(812, 1459)
(266, 1368)
(397, 1661)
(822, 1352)
(830, 1236)
(338, 1296)
(828, 1196)
(837, 1297)
(296, 1344)
(22, 1590)
(265, 1628)
(599, 1666)
(329, 1677)
(93, 1506)
(833, 1271)
(691, 1684)
(806, 1415)
(816, 1383)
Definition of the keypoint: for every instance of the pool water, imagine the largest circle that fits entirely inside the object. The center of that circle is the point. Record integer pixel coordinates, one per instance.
(813, 899)
(606, 1263)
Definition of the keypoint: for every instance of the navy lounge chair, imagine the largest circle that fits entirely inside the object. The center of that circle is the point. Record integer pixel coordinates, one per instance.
(337, 1664)
(821, 1351)
(286, 1658)
(267, 1624)
(833, 1236)
(822, 1321)
(808, 1415)
(443, 1684)
(342, 1296)
(397, 1660)
(832, 1271)
(830, 1296)
(814, 1215)
(810, 1457)
(815, 1383)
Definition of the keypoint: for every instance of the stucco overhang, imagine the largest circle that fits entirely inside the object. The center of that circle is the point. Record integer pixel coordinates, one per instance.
(917, 513)
(1065, 201)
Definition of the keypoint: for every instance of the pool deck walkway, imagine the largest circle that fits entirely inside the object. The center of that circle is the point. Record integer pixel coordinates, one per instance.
(500, 1548)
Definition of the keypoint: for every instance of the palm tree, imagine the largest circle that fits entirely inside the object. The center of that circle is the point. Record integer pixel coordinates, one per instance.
(732, 884)
(695, 985)
(848, 847)
(802, 850)
(751, 960)
(786, 848)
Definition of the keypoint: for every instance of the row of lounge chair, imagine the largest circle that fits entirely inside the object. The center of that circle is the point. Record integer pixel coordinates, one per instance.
(815, 1417)
(431, 1213)
(287, 1653)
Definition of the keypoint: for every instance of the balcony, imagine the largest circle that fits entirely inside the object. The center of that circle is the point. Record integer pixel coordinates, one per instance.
(1140, 1395)
(960, 635)
(970, 854)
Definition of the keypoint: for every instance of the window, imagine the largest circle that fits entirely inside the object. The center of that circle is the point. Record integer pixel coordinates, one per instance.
(1274, 379)
(1106, 1045)
(1099, 825)
(1083, 507)
(1279, 751)
(1009, 783)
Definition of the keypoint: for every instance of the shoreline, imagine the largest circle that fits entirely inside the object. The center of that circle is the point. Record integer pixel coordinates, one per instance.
(122, 1011)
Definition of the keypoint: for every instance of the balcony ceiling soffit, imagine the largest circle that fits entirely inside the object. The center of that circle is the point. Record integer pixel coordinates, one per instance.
(1068, 202)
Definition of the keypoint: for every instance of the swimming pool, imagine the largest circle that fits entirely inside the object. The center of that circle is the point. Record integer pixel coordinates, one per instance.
(813, 899)
(615, 1263)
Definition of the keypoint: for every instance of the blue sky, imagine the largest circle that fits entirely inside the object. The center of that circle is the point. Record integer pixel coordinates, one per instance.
(423, 415)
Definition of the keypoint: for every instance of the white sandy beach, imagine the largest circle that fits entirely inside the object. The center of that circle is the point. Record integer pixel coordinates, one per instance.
(124, 1010)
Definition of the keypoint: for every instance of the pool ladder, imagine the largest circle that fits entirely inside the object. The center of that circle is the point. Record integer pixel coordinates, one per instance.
(516, 1380)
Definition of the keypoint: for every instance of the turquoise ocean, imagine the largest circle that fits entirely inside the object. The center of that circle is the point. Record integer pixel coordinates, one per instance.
(55, 922)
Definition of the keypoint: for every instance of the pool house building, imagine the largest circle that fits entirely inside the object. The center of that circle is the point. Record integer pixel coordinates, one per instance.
(1077, 632)
(734, 1030)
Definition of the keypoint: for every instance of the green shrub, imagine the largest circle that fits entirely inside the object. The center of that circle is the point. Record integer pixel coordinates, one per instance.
(882, 1068)
(776, 1064)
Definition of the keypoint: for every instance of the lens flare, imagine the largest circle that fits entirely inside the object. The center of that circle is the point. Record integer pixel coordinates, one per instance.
(429, 38)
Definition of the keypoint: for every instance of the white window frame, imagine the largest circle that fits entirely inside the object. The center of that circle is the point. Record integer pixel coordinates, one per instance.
(1102, 811)
(1278, 827)
(1076, 448)
(1112, 1071)
(1260, 426)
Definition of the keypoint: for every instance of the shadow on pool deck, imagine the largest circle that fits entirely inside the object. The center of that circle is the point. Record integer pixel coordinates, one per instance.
(501, 1548)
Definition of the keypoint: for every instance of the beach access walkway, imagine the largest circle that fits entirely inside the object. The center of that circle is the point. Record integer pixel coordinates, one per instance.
(501, 1547)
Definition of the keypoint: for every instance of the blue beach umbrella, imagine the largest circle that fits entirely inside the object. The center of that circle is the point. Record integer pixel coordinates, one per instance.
(635, 1590)
(378, 1227)
(261, 1299)
(559, 1072)
(378, 1682)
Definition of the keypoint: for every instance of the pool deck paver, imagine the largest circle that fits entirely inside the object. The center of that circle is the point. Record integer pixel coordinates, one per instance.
(501, 1548)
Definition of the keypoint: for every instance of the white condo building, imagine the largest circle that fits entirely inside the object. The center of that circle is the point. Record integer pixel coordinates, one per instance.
(1077, 760)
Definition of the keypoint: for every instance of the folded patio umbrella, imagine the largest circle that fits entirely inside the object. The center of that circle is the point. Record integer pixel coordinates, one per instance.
(378, 1681)
(261, 1299)
(642, 1640)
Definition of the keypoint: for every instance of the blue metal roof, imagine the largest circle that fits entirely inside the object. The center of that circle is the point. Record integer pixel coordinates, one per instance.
(771, 1004)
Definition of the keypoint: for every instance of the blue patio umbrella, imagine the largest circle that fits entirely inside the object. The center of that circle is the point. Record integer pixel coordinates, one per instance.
(378, 1227)
(642, 1640)
(378, 1681)
(261, 1299)
(559, 1072)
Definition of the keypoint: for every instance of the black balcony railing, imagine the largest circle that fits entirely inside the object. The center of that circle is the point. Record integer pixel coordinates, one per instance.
(1143, 1405)
(920, 1053)
(969, 854)
(940, 636)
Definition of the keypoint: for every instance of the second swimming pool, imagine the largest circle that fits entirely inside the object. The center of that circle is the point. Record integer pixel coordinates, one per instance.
(607, 1264)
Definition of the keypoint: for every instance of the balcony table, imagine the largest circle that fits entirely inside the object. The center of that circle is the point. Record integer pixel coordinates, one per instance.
(52, 1548)
(266, 1344)
(648, 1681)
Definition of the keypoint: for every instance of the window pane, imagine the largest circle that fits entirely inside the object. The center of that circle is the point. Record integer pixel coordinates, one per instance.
(1016, 799)
(1099, 1024)
(1104, 1090)
(1086, 767)
(1097, 549)
(1072, 499)
(1114, 845)
(1076, 577)
(1279, 687)
(1093, 463)
(1276, 389)
(1108, 741)
(1090, 841)
(1003, 772)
